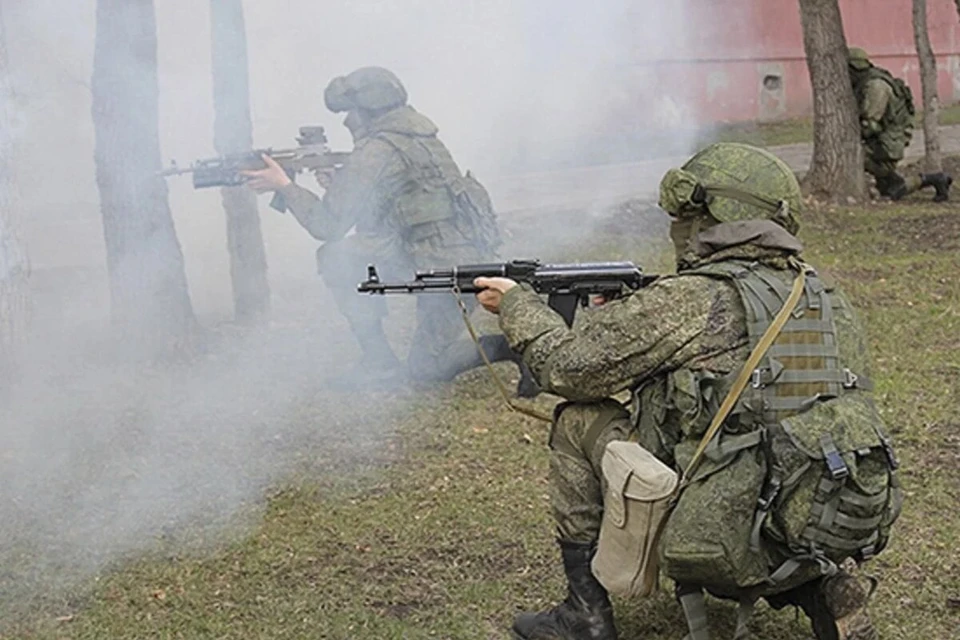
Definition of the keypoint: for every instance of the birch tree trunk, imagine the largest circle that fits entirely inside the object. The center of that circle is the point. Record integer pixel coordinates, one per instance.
(836, 170)
(150, 303)
(933, 161)
(233, 133)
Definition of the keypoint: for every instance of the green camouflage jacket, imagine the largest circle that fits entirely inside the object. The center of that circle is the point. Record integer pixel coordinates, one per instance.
(679, 322)
(394, 184)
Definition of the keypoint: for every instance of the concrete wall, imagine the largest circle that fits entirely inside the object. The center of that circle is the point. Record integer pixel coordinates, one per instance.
(745, 59)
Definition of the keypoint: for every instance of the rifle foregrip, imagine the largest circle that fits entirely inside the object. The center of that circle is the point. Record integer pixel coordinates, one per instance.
(278, 202)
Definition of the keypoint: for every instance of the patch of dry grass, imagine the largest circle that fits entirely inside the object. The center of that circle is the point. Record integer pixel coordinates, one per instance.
(453, 537)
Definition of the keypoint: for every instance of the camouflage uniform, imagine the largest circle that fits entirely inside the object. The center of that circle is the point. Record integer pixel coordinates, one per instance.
(886, 127)
(682, 322)
(661, 344)
(398, 190)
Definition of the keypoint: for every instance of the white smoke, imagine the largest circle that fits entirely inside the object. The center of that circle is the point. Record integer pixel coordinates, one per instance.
(101, 458)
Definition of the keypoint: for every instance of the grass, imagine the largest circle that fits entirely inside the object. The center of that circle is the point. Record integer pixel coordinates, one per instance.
(450, 535)
(800, 130)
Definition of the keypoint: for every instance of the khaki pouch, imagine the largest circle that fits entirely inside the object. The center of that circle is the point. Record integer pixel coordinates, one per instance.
(635, 505)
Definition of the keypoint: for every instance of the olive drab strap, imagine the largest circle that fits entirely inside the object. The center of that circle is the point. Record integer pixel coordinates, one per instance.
(745, 375)
(511, 404)
(692, 601)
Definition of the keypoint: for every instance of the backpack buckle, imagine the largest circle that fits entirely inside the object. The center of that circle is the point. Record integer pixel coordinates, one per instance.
(769, 494)
(835, 464)
(888, 451)
(849, 379)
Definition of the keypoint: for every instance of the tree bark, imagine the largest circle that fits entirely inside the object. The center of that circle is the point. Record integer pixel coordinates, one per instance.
(150, 302)
(836, 170)
(14, 264)
(233, 133)
(933, 161)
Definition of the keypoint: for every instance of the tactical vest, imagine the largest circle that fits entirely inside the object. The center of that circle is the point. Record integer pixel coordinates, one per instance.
(438, 202)
(802, 475)
(897, 122)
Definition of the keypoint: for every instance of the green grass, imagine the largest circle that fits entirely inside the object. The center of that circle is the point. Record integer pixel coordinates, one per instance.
(948, 115)
(453, 536)
(795, 131)
(763, 134)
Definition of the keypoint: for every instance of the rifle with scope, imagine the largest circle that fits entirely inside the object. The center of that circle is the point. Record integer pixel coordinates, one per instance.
(311, 154)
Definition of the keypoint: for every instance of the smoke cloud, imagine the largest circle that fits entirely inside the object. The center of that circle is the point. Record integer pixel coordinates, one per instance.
(103, 457)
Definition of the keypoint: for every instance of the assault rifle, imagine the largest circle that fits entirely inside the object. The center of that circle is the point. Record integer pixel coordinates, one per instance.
(565, 285)
(224, 171)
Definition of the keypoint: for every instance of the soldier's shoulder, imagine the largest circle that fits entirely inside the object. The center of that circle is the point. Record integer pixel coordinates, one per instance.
(690, 293)
(371, 149)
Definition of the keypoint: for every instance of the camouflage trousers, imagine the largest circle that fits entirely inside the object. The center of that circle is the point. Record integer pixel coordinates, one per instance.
(440, 347)
(578, 437)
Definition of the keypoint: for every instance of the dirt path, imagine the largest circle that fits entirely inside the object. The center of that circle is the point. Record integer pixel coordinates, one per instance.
(596, 188)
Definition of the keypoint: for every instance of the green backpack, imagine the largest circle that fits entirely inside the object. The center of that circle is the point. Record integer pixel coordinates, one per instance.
(897, 123)
(802, 475)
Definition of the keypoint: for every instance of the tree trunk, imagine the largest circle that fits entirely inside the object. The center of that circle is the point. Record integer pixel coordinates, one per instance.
(150, 303)
(836, 169)
(232, 133)
(933, 161)
(14, 265)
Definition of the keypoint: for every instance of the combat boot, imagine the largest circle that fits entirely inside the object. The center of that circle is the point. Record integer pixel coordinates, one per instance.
(836, 606)
(586, 614)
(939, 181)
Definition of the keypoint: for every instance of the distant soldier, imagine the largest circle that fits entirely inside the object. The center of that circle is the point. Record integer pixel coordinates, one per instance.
(411, 208)
(886, 126)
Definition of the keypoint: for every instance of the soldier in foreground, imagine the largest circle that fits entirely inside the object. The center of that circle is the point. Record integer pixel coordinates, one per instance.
(772, 510)
(886, 126)
(411, 208)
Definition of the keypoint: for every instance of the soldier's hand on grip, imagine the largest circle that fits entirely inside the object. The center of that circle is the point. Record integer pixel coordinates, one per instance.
(269, 179)
(493, 290)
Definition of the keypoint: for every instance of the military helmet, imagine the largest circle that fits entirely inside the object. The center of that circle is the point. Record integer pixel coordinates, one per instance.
(369, 88)
(858, 58)
(730, 182)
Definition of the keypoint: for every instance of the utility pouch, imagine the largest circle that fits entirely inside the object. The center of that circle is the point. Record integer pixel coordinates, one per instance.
(636, 503)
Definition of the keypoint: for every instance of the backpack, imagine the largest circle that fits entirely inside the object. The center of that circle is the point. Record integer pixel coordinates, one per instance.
(802, 475)
(475, 215)
(438, 192)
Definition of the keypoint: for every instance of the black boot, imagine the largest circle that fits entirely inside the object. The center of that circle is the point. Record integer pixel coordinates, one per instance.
(586, 614)
(939, 181)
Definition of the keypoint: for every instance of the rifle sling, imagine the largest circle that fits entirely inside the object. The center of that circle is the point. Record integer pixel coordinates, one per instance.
(510, 402)
(766, 340)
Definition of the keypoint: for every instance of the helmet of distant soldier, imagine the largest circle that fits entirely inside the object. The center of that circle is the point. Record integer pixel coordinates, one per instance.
(858, 58)
(337, 96)
(730, 182)
(367, 88)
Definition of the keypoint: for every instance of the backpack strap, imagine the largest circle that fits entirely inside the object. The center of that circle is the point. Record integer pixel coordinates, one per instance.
(745, 374)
